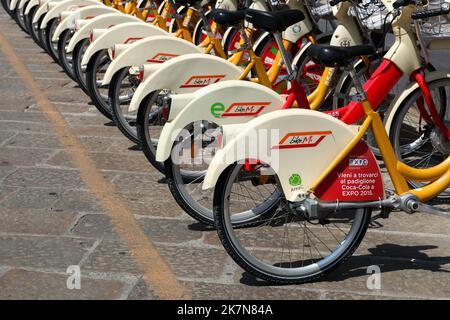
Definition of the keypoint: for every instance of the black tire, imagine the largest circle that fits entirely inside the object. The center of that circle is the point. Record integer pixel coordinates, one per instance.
(226, 239)
(5, 5)
(397, 126)
(77, 54)
(100, 102)
(125, 126)
(64, 58)
(19, 17)
(42, 34)
(34, 31)
(178, 195)
(146, 143)
(51, 46)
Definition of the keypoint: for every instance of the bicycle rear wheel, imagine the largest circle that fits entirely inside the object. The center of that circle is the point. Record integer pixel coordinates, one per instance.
(283, 247)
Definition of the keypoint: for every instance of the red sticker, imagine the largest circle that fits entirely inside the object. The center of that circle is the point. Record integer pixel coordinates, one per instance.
(356, 178)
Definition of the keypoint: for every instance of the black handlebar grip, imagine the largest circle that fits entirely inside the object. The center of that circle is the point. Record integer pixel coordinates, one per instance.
(401, 3)
(430, 13)
(335, 2)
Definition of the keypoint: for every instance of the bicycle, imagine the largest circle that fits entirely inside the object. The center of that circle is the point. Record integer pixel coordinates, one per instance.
(334, 184)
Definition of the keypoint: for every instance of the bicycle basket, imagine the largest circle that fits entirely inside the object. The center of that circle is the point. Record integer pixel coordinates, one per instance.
(434, 27)
(320, 9)
(372, 14)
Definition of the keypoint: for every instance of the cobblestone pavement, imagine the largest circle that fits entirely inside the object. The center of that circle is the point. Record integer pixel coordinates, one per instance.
(50, 219)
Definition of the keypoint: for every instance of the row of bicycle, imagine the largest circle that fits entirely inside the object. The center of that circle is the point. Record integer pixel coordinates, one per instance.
(269, 120)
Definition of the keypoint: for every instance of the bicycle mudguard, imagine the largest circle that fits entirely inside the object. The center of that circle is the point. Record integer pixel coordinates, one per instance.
(69, 21)
(31, 4)
(299, 145)
(347, 33)
(399, 99)
(301, 28)
(157, 49)
(13, 4)
(124, 33)
(52, 9)
(102, 21)
(217, 103)
(22, 3)
(185, 74)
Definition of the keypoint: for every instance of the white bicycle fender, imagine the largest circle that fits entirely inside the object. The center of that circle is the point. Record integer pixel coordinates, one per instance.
(312, 141)
(124, 33)
(227, 102)
(301, 28)
(184, 74)
(102, 21)
(392, 110)
(13, 4)
(155, 49)
(82, 13)
(31, 4)
(43, 9)
(54, 8)
(22, 3)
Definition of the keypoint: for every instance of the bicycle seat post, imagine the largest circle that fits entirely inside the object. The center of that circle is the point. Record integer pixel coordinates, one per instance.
(360, 93)
(291, 73)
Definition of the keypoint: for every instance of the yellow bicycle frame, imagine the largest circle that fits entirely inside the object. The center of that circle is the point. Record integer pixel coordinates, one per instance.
(398, 171)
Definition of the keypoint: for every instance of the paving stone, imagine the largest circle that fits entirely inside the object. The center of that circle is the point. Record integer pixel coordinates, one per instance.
(119, 162)
(45, 178)
(35, 140)
(91, 119)
(213, 291)
(145, 204)
(42, 251)
(96, 144)
(61, 159)
(147, 183)
(23, 156)
(32, 198)
(78, 201)
(35, 221)
(5, 135)
(417, 223)
(94, 226)
(141, 292)
(22, 284)
(194, 263)
(30, 127)
(72, 108)
(168, 230)
(6, 191)
(67, 95)
(342, 295)
(398, 278)
(107, 132)
(6, 170)
(22, 116)
(405, 246)
(111, 256)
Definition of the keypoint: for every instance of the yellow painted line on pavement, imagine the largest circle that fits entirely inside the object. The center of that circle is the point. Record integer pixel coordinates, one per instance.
(157, 273)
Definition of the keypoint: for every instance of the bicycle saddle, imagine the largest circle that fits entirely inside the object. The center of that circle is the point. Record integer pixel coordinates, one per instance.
(333, 56)
(229, 18)
(273, 21)
(187, 3)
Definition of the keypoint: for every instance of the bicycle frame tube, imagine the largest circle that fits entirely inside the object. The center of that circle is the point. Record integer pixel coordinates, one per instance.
(398, 171)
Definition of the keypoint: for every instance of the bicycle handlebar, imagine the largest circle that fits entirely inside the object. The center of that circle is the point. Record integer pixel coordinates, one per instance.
(444, 9)
(401, 3)
(335, 2)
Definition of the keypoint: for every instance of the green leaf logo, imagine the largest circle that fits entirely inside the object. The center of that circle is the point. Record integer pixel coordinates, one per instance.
(295, 180)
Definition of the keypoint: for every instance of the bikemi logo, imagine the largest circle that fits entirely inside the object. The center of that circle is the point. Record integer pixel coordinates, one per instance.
(202, 81)
(238, 109)
(161, 57)
(302, 139)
